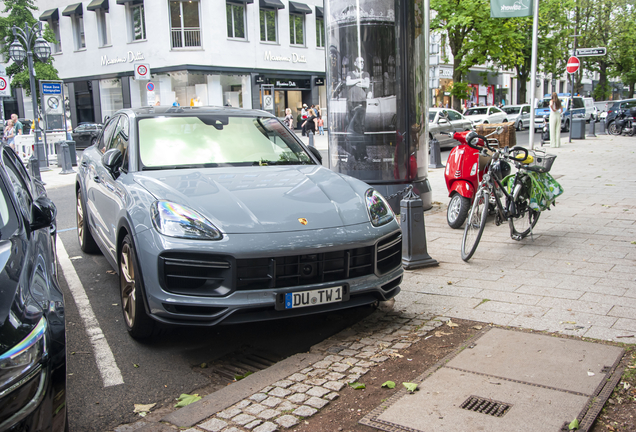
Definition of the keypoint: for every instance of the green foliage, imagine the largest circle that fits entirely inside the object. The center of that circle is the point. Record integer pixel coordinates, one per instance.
(389, 384)
(186, 399)
(245, 375)
(20, 13)
(410, 386)
(574, 424)
(357, 386)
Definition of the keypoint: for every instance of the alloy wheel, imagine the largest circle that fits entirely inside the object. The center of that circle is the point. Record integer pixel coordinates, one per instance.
(128, 292)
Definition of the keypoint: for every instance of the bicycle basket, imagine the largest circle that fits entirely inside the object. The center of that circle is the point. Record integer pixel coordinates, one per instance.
(542, 163)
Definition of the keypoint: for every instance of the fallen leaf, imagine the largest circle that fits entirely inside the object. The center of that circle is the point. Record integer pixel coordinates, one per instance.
(389, 384)
(451, 324)
(110, 271)
(186, 399)
(449, 283)
(245, 375)
(410, 386)
(590, 373)
(568, 322)
(204, 365)
(135, 365)
(357, 386)
(143, 408)
(441, 333)
(574, 424)
(477, 327)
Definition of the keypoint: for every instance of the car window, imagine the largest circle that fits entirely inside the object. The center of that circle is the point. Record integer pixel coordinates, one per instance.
(107, 136)
(120, 140)
(8, 217)
(476, 111)
(19, 185)
(578, 103)
(526, 110)
(454, 115)
(511, 109)
(213, 140)
(495, 110)
(431, 116)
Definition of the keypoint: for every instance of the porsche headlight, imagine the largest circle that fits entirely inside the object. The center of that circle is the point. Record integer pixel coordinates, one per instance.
(175, 220)
(23, 357)
(379, 210)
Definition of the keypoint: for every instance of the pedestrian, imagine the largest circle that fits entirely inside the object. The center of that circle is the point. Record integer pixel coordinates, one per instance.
(9, 134)
(310, 124)
(556, 110)
(16, 124)
(289, 119)
(321, 126)
(303, 117)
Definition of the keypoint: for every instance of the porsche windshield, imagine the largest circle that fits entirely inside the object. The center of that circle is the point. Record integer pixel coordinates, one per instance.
(217, 140)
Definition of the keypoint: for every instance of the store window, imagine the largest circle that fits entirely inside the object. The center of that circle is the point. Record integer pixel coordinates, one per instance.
(110, 96)
(320, 32)
(268, 19)
(235, 20)
(185, 27)
(297, 29)
(137, 18)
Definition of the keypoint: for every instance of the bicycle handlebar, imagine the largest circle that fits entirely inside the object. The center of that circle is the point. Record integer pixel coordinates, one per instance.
(525, 152)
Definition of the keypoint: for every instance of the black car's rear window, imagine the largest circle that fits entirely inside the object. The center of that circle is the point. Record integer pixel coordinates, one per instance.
(215, 140)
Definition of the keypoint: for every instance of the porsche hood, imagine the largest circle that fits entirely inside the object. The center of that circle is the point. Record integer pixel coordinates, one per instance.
(242, 200)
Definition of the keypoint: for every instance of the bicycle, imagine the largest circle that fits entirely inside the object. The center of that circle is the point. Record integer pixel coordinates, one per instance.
(517, 192)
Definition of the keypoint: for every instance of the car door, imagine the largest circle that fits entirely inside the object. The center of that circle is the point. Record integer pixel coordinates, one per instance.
(109, 196)
(525, 116)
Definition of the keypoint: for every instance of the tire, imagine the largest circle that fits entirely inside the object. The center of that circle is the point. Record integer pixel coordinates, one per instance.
(475, 224)
(138, 323)
(567, 126)
(521, 226)
(457, 211)
(613, 129)
(520, 126)
(86, 241)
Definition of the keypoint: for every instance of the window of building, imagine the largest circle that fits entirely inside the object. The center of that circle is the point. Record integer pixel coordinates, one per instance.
(103, 27)
(235, 20)
(138, 21)
(78, 32)
(54, 25)
(184, 24)
(268, 19)
(296, 29)
(320, 32)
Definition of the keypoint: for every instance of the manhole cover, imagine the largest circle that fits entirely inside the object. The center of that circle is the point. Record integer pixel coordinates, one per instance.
(485, 406)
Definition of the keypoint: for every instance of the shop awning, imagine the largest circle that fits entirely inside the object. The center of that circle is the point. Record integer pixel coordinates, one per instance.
(299, 8)
(97, 4)
(241, 1)
(272, 4)
(75, 8)
(51, 14)
(320, 12)
(134, 2)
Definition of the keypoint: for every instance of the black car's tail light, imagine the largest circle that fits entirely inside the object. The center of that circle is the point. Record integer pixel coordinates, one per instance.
(389, 253)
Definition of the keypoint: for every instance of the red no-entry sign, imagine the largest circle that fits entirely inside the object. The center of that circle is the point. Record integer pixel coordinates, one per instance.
(573, 65)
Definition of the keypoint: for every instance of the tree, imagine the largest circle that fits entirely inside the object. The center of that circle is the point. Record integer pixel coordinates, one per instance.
(474, 39)
(19, 13)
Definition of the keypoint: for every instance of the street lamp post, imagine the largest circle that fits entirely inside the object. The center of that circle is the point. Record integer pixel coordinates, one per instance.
(18, 54)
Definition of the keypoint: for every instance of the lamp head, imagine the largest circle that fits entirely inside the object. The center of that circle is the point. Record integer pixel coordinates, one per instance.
(17, 52)
(42, 49)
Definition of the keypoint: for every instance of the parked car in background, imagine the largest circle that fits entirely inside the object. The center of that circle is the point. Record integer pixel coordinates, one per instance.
(86, 134)
(441, 121)
(32, 331)
(217, 214)
(576, 110)
(615, 108)
(26, 125)
(520, 114)
(590, 109)
(487, 114)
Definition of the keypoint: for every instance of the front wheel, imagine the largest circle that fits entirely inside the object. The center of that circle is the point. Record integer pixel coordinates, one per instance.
(520, 125)
(457, 211)
(614, 129)
(138, 323)
(475, 224)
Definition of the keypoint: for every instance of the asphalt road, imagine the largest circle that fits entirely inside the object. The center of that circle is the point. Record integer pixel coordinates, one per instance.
(159, 370)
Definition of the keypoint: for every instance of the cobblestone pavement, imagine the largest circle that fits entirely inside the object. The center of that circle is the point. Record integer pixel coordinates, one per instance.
(348, 356)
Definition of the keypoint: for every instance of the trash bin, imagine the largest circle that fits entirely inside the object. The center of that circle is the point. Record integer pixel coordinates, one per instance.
(578, 128)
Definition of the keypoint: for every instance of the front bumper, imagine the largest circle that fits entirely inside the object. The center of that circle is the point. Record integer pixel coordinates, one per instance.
(242, 278)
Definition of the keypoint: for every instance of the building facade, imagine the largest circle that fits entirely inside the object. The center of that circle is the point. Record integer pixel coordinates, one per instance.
(199, 52)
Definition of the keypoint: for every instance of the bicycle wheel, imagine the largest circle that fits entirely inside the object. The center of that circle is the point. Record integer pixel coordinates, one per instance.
(475, 224)
(526, 218)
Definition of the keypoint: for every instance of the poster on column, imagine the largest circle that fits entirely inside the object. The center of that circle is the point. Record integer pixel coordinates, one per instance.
(510, 8)
(362, 87)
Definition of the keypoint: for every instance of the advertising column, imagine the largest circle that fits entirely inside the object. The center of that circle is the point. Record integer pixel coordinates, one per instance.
(375, 94)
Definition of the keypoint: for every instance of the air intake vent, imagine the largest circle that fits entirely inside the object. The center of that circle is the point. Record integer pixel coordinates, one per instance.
(198, 275)
(486, 406)
(390, 253)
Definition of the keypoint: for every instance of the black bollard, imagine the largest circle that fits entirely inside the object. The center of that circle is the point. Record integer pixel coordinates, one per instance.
(65, 154)
(34, 167)
(591, 130)
(435, 156)
(601, 129)
(310, 134)
(414, 253)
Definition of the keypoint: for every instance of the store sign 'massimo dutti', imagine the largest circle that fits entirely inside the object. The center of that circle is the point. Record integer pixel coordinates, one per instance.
(294, 58)
(129, 58)
(510, 8)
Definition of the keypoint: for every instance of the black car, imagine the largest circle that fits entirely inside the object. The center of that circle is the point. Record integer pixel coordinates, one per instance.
(32, 336)
(616, 107)
(85, 135)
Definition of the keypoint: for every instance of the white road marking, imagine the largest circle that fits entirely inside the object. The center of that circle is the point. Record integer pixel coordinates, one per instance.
(111, 375)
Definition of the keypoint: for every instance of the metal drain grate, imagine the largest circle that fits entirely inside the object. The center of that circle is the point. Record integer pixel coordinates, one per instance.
(236, 365)
(486, 406)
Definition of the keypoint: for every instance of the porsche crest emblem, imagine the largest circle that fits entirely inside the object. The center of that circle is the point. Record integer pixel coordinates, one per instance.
(302, 221)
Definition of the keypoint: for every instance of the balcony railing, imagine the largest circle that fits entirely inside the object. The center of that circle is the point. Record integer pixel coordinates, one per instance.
(186, 37)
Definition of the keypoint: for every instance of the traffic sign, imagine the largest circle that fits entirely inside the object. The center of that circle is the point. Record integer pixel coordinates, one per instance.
(150, 86)
(5, 90)
(142, 71)
(589, 52)
(573, 65)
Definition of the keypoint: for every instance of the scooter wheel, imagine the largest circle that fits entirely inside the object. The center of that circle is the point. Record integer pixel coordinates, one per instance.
(457, 211)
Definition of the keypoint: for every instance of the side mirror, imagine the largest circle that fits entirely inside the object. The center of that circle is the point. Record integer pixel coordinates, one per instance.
(44, 213)
(314, 151)
(113, 160)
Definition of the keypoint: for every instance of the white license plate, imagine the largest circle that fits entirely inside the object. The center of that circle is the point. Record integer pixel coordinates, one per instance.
(313, 298)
